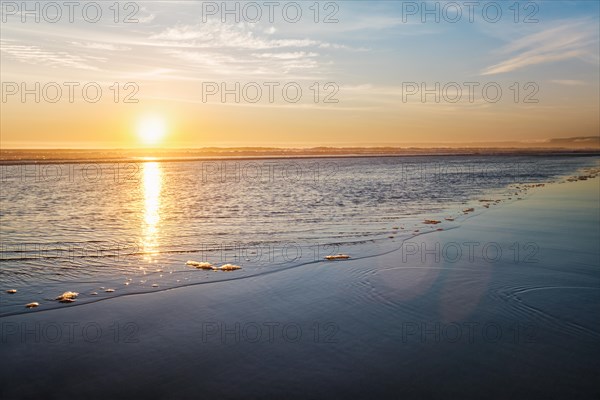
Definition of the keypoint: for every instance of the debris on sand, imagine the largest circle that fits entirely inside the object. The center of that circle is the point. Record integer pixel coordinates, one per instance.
(486, 205)
(192, 263)
(94, 294)
(229, 267)
(200, 265)
(468, 210)
(32, 305)
(67, 297)
(155, 285)
(11, 291)
(338, 257)
(432, 222)
(439, 229)
(109, 290)
(449, 219)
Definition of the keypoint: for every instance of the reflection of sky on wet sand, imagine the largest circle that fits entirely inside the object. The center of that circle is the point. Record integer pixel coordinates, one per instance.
(152, 182)
(427, 277)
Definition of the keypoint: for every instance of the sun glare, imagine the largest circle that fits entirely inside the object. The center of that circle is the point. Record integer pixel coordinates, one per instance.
(151, 130)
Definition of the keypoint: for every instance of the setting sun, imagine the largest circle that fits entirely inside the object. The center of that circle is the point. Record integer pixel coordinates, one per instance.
(151, 130)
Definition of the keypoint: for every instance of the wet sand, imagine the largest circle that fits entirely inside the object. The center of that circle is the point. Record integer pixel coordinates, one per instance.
(453, 314)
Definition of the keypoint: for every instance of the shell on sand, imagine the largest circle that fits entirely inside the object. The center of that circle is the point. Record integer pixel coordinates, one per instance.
(32, 305)
(67, 297)
(11, 291)
(338, 257)
(467, 210)
(155, 285)
(449, 219)
(432, 221)
(229, 267)
(109, 290)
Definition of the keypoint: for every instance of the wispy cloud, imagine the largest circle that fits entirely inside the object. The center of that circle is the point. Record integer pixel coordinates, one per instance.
(571, 39)
(145, 16)
(285, 56)
(35, 55)
(100, 46)
(256, 64)
(218, 35)
(241, 49)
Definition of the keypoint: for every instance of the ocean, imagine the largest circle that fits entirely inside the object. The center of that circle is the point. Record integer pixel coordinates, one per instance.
(130, 227)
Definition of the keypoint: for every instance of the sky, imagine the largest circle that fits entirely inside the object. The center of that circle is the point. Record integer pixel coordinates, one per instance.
(355, 73)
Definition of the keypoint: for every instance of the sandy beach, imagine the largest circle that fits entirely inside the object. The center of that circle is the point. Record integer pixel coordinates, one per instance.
(503, 306)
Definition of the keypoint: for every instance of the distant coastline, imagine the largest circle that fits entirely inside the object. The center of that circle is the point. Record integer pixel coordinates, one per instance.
(52, 156)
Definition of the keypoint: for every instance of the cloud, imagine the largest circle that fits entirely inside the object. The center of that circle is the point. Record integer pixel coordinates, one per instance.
(143, 19)
(100, 46)
(218, 35)
(572, 39)
(285, 56)
(242, 49)
(256, 64)
(31, 54)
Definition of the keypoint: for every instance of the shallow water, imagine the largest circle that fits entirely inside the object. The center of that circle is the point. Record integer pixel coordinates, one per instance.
(132, 226)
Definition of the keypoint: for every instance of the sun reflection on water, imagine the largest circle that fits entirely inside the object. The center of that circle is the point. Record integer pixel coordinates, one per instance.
(152, 181)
